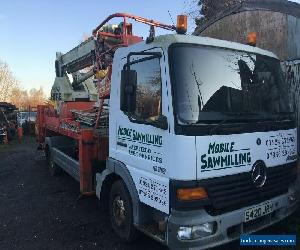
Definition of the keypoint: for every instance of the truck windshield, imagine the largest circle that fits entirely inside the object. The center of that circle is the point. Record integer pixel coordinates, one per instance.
(213, 84)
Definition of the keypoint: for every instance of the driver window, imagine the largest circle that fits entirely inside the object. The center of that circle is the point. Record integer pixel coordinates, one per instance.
(148, 91)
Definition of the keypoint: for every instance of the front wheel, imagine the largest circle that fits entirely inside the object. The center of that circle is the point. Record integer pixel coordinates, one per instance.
(120, 211)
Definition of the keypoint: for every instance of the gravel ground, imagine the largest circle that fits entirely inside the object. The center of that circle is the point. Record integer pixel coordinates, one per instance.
(38, 211)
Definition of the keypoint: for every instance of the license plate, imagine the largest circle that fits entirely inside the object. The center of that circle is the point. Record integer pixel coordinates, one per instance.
(258, 211)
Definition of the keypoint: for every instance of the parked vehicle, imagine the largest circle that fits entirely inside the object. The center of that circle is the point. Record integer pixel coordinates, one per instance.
(3, 123)
(192, 140)
(7, 121)
(26, 116)
(27, 120)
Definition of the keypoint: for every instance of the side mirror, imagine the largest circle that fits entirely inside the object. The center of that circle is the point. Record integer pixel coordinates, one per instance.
(161, 122)
(128, 90)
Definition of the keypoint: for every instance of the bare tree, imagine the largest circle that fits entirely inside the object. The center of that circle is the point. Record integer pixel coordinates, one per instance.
(10, 90)
(36, 97)
(204, 10)
(24, 99)
(19, 98)
(191, 9)
(7, 82)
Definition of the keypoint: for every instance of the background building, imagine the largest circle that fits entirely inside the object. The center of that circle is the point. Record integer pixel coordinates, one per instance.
(276, 22)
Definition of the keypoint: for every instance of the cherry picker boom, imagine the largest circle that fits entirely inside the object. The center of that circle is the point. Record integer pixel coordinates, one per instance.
(78, 99)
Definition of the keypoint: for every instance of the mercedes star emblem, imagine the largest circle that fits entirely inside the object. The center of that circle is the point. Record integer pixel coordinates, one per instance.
(259, 174)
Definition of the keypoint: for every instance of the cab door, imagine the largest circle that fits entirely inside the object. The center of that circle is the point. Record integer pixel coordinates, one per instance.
(142, 126)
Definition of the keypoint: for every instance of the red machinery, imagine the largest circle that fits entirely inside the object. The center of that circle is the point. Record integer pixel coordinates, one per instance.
(92, 141)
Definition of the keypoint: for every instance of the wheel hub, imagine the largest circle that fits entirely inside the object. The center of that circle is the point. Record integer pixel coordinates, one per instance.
(118, 210)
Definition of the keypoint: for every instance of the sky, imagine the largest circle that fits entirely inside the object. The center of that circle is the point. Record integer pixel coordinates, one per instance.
(32, 31)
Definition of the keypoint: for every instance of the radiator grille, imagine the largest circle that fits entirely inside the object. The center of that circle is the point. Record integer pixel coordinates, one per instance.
(236, 191)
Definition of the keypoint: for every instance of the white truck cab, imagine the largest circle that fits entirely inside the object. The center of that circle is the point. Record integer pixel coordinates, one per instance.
(203, 136)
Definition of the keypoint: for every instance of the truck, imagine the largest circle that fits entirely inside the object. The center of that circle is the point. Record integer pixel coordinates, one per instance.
(26, 120)
(189, 140)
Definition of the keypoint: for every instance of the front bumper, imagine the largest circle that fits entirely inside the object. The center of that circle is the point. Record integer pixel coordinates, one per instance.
(230, 225)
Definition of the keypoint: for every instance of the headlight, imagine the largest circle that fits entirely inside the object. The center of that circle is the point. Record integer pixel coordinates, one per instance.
(184, 233)
(197, 231)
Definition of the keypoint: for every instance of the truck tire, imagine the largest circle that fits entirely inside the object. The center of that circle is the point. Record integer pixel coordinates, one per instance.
(54, 169)
(121, 213)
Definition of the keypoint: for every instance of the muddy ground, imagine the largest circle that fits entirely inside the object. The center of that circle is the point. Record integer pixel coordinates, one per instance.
(38, 211)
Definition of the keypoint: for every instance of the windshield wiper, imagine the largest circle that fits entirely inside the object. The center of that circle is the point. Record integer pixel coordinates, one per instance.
(241, 116)
(285, 115)
(211, 131)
